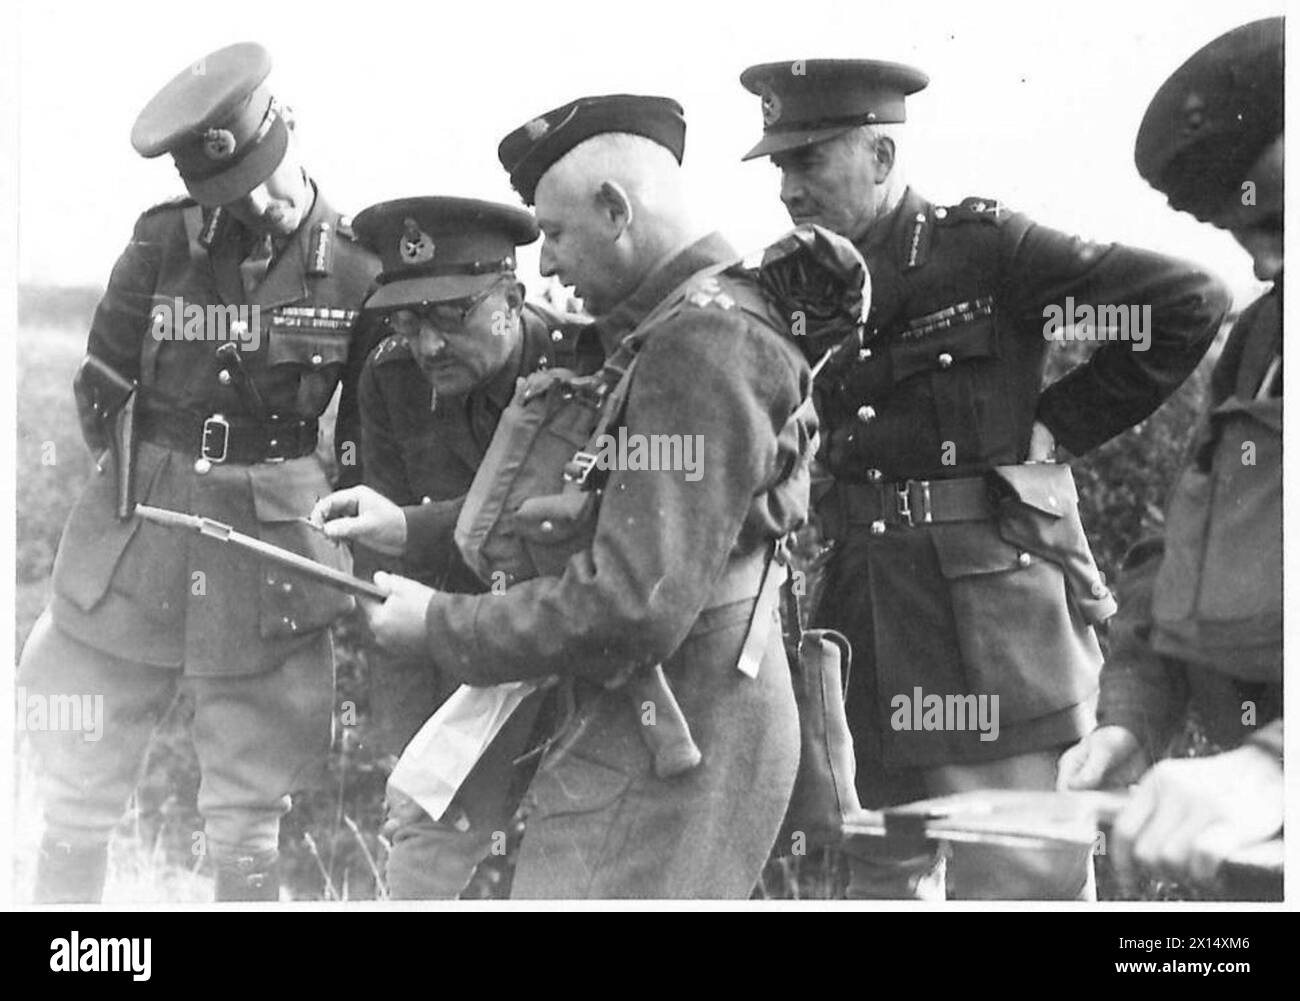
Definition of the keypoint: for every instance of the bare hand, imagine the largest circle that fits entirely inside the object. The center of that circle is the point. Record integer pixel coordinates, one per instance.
(360, 514)
(398, 622)
(1190, 814)
(1109, 756)
(1042, 444)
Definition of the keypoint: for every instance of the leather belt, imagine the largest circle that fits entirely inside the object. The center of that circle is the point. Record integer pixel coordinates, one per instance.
(238, 439)
(916, 502)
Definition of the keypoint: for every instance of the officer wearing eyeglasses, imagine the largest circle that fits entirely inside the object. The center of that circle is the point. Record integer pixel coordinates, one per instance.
(458, 335)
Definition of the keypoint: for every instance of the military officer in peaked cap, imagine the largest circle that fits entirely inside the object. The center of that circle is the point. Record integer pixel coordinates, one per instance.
(960, 567)
(1200, 626)
(673, 566)
(459, 335)
(234, 310)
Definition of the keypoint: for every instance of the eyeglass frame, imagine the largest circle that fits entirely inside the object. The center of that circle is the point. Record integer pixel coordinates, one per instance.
(466, 305)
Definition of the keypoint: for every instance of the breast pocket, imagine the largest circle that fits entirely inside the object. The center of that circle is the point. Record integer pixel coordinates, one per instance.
(954, 366)
(315, 342)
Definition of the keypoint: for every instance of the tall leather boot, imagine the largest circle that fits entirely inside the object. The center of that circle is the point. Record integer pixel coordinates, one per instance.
(68, 873)
(248, 878)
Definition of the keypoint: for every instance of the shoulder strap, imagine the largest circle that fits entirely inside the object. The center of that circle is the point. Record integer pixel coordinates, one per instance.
(614, 380)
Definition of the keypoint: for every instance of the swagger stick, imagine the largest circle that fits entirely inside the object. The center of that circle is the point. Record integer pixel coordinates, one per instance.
(222, 532)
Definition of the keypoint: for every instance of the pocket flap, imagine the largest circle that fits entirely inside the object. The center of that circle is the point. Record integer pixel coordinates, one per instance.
(281, 489)
(972, 547)
(306, 346)
(1047, 487)
(925, 350)
(555, 517)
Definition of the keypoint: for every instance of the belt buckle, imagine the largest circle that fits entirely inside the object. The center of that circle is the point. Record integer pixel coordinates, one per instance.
(577, 469)
(904, 493)
(217, 422)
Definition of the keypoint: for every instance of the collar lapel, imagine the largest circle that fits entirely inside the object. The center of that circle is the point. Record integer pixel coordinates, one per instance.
(665, 277)
(286, 282)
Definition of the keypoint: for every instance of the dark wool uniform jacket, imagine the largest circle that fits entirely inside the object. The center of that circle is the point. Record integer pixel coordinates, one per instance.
(1201, 623)
(947, 385)
(158, 596)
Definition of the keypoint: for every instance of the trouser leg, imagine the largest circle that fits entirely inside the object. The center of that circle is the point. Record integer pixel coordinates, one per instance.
(258, 738)
(434, 859)
(984, 872)
(88, 717)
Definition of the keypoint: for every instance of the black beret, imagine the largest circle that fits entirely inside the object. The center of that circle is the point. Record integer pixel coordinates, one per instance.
(1214, 117)
(530, 150)
(808, 101)
(224, 130)
(436, 248)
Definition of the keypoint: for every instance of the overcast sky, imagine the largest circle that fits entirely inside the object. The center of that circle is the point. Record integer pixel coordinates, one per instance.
(1036, 104)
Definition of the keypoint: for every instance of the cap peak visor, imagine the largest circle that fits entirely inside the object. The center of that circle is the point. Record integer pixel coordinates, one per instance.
(411, 292)
(782, 142)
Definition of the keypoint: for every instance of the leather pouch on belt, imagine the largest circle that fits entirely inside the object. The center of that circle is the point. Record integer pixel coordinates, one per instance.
(1038, 512)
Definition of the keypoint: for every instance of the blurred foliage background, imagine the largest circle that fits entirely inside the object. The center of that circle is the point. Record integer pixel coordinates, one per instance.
(331, 842)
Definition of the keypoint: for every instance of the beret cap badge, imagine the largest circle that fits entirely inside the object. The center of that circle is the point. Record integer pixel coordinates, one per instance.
(537, 128)
(416, 246)
(218, 144)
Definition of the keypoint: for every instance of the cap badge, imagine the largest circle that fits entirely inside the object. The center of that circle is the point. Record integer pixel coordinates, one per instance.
(771, 106)
(537, 128)
(218, 144)
(416, 247)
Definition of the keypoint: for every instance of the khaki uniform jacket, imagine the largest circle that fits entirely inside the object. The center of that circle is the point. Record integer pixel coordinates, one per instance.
(603, 825)
(158, 596)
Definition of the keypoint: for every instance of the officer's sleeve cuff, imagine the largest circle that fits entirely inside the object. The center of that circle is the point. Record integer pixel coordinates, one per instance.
(430, 532)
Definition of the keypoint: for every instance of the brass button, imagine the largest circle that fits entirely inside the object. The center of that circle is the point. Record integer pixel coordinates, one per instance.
(202, 466)
(1024, 559)
(270, 579)
(426, 500)
(941, 213)
(557, 335)
(316, 359)
(547, 526)
(223, 377)
(877, 528)
(866, 414)
(945, 360)
(1099, 589)
(286, 587)
(864, 354)
(920, 216)
(875, 475)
